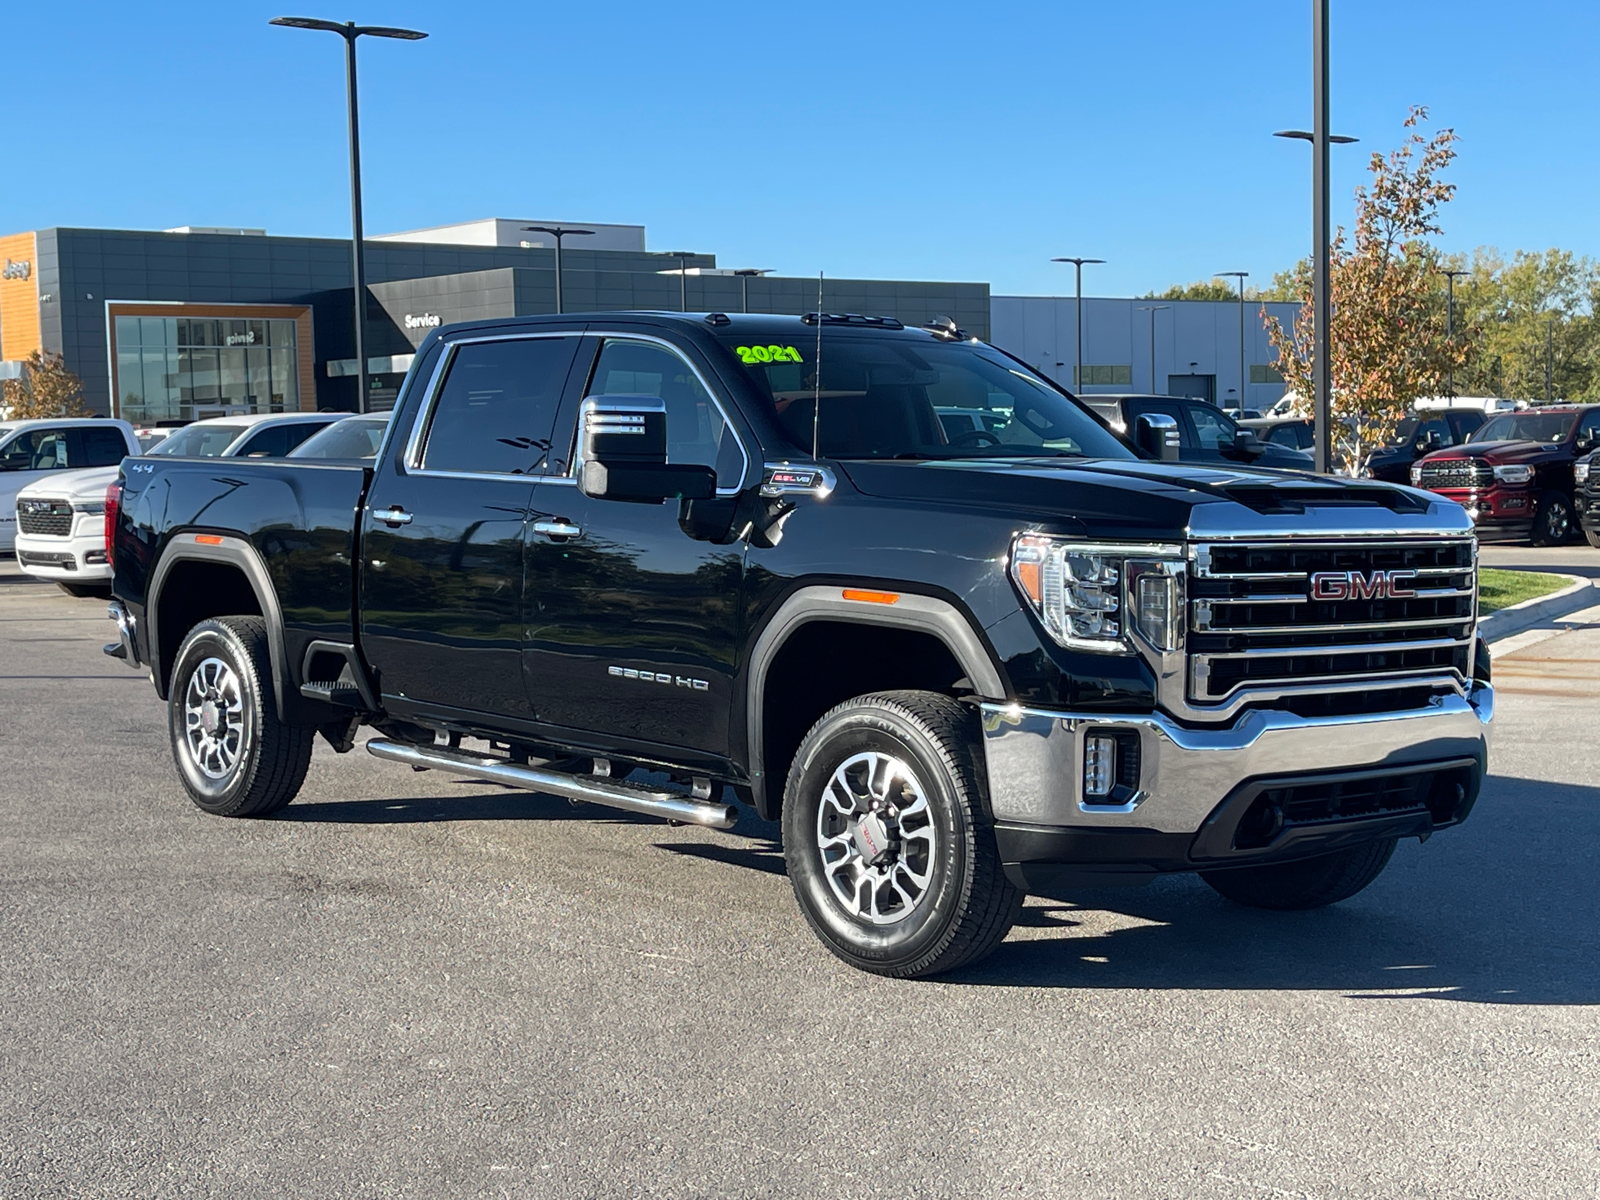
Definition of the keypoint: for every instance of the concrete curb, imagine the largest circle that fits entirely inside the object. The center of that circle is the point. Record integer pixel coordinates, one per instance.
(1580, 593)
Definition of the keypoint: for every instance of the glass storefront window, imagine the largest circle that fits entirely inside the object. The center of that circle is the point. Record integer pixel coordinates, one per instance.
(184, 368)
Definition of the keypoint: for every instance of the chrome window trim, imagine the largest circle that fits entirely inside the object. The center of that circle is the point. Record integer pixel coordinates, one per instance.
(412, 461)
(722, 409)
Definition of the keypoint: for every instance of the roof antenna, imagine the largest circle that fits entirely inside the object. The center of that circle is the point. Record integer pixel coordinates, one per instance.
(816, 392)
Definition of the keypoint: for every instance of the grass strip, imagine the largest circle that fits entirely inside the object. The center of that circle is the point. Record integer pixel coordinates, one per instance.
(1502, 589)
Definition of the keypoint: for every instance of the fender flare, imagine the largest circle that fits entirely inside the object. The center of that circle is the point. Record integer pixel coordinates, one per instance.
(924, 614)
(234, 552)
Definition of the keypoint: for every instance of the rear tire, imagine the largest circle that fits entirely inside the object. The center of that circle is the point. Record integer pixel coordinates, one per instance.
(1552, 521)
(233, 754)
(1306, 883)
(897, 774)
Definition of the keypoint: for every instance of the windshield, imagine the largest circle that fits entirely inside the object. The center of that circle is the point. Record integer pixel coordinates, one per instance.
(1526, 427)
(200, 441)
(895, 397)
(353, 437)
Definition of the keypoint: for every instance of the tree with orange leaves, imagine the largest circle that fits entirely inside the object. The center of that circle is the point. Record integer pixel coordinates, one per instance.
(1388, 332)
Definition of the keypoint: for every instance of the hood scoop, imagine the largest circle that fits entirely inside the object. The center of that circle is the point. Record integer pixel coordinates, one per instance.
(1296, 497)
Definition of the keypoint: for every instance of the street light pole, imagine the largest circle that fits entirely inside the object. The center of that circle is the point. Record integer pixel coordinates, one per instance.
(1077, 375)
(1153, 309)
(745, 274)
(558, 232)
(1320, 139)
(350, 31)
(683, 257)
(1450, 274)
(1243, 378)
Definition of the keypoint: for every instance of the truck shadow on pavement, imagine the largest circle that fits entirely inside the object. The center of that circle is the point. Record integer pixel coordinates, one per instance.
(1500, 911)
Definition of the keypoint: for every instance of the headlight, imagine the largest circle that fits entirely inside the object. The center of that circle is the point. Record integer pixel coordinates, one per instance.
(1514, 473)
(1416, 474)
(97, 507)
(1091, 595)
(1580, 470)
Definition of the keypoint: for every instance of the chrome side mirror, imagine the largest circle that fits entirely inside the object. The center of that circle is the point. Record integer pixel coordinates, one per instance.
(622, 454)
(1158, 434)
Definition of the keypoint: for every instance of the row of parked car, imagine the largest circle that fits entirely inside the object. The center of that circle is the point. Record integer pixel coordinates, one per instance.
(1523, 476)
(54, 474)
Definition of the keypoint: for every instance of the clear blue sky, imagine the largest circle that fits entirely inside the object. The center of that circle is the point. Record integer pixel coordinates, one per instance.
(931, 140)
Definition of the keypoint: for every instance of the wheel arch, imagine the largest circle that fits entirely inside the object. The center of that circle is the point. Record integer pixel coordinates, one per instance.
(918, 618)
(222, 572)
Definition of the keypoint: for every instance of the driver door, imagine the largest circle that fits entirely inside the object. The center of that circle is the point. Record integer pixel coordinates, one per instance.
(632, 625)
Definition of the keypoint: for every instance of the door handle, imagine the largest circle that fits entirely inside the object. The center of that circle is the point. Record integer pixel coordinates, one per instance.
(558, 529)
(394, 517)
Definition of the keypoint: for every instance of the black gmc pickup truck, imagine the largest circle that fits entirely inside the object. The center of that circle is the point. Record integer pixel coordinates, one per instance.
(643, 559)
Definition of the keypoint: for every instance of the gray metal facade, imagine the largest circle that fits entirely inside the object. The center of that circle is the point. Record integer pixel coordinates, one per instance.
(1195, 341)
(80, 270)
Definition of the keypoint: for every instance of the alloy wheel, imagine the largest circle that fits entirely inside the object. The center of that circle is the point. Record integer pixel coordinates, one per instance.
(213, 716)
(877, 839)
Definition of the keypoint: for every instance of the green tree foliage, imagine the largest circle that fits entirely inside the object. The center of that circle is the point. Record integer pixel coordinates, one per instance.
(1204, 289)
(1522, 313)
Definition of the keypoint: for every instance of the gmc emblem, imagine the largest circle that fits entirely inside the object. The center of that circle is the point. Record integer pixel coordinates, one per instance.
(1353, 585)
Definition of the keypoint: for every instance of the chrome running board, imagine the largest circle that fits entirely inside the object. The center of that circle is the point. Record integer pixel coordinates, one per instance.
(630, 797)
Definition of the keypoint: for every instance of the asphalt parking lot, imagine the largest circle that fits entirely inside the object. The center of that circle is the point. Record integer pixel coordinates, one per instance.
(406, 985)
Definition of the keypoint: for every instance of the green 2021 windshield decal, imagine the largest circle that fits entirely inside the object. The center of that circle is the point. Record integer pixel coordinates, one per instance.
(753, 355)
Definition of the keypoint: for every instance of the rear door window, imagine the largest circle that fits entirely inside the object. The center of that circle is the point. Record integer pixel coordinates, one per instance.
(101, 446)
(497, 406)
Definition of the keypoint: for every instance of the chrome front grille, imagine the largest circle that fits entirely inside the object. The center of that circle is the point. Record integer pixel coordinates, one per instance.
(45, 518)
(1456, 473)
(1287, 614)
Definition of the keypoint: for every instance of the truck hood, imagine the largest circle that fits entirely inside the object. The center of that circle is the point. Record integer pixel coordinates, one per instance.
(90, 483)
(1139, 500)
(1503, 452)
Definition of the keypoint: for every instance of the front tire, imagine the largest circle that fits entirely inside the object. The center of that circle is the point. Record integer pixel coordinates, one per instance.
(1552, 521)
(888, 839)
(1592, 536)
(1306, 883)
(236, 759)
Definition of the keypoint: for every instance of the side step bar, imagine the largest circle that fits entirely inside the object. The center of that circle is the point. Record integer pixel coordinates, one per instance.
(574, 787)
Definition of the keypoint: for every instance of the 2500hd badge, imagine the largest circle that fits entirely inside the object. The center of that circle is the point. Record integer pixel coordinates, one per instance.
(899, 593)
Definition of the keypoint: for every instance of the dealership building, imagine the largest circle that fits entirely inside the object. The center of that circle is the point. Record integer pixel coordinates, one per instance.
(197, 322)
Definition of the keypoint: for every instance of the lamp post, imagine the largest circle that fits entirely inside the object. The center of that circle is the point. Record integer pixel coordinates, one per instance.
(1244, 379)
(558, 232)
(1077, 375)
(683, 257)
(350, 31)
(1320, 139)
(746, 274)
(1153, 309)
(1450, 274)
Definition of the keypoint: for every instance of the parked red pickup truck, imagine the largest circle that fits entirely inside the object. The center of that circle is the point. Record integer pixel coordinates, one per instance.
(1514, 475)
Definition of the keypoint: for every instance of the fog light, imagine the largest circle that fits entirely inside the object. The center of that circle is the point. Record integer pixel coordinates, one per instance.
(1099, 765)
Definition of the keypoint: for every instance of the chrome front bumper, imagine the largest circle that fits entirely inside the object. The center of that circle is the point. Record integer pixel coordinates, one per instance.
(1036, 757)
